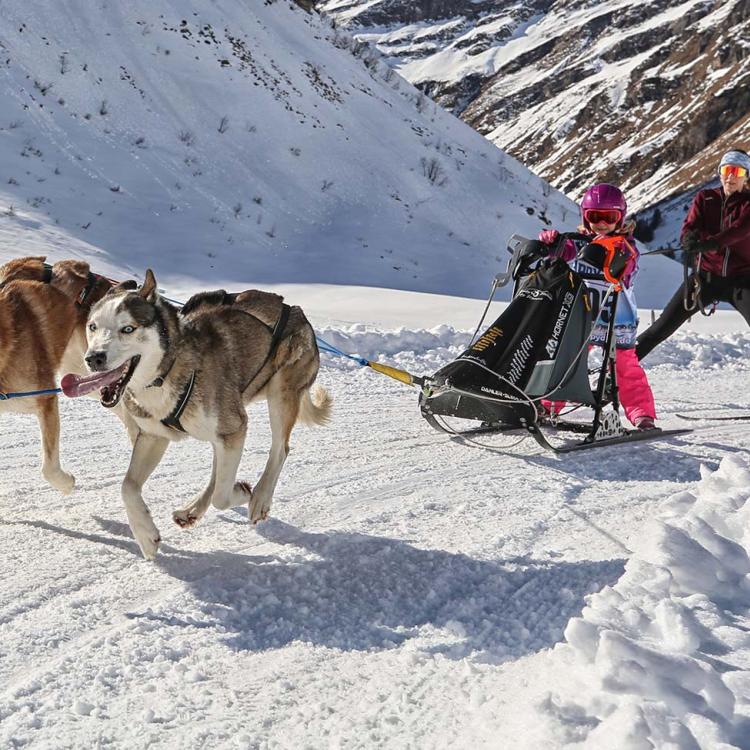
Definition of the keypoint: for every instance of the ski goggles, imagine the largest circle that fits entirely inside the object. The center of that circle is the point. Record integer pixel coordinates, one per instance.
(732, 170)
(605, 215)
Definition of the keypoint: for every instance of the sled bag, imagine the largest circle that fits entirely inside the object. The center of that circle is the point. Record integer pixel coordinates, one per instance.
(531, 349)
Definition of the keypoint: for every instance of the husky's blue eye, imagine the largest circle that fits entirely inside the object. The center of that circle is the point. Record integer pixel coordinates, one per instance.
(92, 326)
(127, 329)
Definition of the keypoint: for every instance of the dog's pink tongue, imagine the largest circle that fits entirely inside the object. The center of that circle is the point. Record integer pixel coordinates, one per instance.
(79, 385)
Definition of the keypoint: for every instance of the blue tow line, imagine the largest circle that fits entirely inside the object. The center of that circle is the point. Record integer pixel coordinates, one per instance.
(24, 394)
(324, 346)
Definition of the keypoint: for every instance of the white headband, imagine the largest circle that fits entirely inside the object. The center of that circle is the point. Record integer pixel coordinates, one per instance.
(737, 158)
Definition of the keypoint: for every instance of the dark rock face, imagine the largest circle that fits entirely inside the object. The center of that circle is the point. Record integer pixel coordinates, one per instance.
(390, 12)
(644, 95)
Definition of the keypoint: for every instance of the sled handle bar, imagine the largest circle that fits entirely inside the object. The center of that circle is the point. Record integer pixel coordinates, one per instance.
(520, 247)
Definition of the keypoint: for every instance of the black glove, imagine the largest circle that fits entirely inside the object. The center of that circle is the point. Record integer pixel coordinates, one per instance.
(705, 246)
(688, 240)
(692, 245)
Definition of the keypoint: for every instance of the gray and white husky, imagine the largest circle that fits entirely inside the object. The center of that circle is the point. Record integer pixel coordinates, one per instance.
(191, 372)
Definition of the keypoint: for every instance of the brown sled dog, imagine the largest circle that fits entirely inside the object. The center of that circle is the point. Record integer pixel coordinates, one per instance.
(191, 373)
(43, 314)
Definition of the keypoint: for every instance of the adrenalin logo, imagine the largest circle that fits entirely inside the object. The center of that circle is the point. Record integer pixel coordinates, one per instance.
(535, 294)
(557, 330)
(487, 339)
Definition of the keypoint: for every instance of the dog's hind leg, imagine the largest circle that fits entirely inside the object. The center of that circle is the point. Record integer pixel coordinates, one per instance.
(283, 409)
(48, 414)
(227, 454)
(147, 452)
(193, 512)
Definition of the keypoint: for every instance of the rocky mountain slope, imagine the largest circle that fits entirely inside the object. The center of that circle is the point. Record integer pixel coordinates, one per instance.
(646, 94)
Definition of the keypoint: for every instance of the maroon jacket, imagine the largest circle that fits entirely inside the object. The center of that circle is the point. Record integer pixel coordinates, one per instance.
(727, 221)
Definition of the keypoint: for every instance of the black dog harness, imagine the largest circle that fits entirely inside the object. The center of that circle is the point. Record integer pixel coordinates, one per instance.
(47, 279)
(86, 291)
(172, 420)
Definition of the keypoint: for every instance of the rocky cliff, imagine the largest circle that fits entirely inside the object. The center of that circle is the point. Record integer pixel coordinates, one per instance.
(646, 94)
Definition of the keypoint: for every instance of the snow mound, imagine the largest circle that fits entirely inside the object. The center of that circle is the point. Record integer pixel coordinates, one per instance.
(647, 663)
(689, 349)
(429, 348)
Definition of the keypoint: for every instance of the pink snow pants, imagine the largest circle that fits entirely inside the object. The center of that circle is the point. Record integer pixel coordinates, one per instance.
(636, 396)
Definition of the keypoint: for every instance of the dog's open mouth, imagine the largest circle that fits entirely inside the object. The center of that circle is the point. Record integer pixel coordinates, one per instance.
(111, 384)
(112, 393)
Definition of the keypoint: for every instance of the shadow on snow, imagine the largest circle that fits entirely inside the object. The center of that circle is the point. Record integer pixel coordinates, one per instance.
(355, 592)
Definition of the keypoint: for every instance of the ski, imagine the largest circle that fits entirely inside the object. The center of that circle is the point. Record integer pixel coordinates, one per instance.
(722, 418)
(633, 436)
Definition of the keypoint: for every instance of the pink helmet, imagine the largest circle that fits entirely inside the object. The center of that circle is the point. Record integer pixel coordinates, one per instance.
(601, 197)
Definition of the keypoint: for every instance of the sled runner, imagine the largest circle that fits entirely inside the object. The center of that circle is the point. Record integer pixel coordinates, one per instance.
(538, 350)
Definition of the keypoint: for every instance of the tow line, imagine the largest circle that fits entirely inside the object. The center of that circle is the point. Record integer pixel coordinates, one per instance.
(25, 394)
(392, 372)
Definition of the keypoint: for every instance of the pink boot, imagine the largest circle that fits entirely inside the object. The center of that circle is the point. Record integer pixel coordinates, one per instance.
(552, 408)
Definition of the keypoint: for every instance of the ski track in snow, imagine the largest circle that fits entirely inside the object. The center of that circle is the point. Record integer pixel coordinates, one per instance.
(405, 593)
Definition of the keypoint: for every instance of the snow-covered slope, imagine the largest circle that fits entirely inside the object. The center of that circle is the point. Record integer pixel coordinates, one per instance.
(646, 94)
(409, 591)
(244, 143)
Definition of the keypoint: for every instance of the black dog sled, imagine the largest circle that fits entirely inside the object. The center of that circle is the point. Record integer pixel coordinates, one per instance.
(538, 349)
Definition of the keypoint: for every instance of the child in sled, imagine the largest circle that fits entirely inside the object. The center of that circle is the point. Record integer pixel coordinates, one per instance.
(603, 210)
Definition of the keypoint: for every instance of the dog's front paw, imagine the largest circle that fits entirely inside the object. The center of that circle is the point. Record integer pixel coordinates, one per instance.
(148, 539)
(61, 481)
(150, 546)
(259, 508)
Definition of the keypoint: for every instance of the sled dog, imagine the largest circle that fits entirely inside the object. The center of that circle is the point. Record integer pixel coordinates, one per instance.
(43, 312)
(191, 373)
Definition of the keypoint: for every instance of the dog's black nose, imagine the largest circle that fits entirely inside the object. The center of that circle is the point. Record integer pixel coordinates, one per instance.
(96, 360)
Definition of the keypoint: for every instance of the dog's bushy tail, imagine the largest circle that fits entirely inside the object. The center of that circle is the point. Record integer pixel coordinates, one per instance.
(315, 406)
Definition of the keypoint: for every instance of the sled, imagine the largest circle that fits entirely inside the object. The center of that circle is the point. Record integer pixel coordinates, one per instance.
(538, 350)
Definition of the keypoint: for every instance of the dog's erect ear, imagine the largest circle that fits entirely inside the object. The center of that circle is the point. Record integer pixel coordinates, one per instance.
(70, 277)
(148, 288)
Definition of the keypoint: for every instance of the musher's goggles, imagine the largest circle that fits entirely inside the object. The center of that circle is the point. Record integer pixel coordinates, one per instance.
(606, 215)
(732, 170)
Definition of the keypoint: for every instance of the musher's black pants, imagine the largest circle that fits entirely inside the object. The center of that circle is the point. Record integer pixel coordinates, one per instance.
(735, 291)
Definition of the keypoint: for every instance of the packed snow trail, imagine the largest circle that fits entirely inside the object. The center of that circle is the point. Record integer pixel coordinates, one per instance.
(405, 592)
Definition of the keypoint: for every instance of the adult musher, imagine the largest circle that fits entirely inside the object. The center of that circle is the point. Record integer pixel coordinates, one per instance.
(716, 237)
